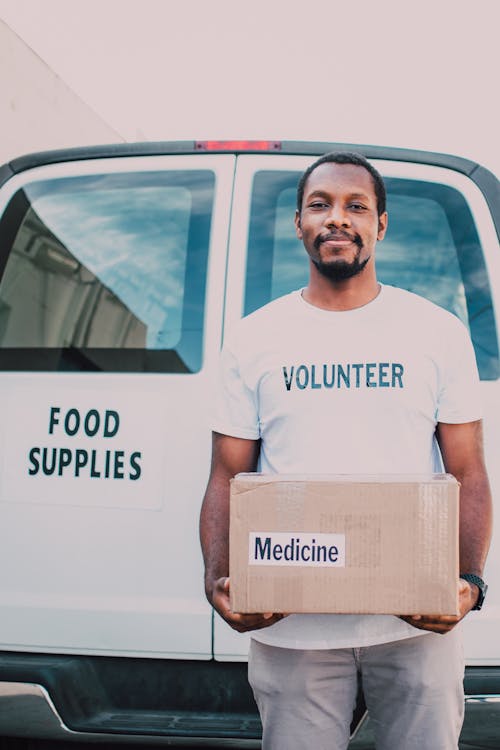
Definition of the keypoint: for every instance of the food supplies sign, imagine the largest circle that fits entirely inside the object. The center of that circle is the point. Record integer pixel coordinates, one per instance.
(89, 461)
(94, 449)
(296, 549)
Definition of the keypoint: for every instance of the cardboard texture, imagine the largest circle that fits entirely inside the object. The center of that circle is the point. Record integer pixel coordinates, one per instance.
(374, 545)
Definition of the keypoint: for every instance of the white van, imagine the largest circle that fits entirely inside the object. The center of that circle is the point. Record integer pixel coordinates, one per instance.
(122, 269)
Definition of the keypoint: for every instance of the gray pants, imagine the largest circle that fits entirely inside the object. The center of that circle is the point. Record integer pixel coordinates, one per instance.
(413, 690)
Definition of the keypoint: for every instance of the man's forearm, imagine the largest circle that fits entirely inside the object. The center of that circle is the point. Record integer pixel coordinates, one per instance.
(462, 450)
(475, 521)
(230, 457)
(214, 532)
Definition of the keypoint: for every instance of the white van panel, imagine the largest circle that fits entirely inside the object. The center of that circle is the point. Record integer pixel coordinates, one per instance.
(122, 569)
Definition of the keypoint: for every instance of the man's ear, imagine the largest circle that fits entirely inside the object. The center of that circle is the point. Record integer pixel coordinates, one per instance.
(382, 225)
(298, 229)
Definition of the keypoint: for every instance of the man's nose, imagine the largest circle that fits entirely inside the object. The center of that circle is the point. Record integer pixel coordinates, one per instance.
(337, 217)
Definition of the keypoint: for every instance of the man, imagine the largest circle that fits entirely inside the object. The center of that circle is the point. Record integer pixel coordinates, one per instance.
(304, 668)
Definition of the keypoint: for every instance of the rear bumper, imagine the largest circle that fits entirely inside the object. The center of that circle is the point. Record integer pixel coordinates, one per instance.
(121, 700)
(156, 701)
(27, 710)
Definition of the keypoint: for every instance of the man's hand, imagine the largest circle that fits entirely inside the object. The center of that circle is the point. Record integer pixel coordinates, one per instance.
(467, 597)
(241, 623)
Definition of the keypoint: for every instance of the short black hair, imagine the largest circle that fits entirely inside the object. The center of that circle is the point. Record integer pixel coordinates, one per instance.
(345, 157)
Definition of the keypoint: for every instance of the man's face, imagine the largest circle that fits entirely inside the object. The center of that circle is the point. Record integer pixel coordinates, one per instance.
(339, 223)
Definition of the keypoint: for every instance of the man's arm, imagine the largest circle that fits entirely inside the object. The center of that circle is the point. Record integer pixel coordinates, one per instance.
(230, 456)
(462, 450)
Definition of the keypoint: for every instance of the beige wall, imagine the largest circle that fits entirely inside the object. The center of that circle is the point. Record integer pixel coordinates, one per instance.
(38, 111)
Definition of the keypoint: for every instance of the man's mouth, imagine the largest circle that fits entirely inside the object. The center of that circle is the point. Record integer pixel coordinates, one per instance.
(335, 239)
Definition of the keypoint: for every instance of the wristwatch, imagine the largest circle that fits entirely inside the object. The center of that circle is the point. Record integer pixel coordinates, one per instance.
(482, 586)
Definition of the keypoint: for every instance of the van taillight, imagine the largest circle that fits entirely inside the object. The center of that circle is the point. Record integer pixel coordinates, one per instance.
(237, 145)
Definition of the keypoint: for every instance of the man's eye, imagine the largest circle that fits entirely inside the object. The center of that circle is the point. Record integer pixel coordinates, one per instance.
(357, 206)
(317, 204)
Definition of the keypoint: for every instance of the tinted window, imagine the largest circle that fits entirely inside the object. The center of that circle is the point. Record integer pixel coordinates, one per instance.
(431, 248)
(106, 273)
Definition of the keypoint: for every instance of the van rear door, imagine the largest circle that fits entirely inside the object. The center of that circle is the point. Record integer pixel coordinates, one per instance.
(111, 302)
(441, 243)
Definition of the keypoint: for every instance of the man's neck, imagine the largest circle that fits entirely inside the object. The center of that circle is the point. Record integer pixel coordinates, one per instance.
(341, 295)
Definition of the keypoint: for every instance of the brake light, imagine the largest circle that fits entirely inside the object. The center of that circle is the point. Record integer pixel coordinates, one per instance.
(238, 145)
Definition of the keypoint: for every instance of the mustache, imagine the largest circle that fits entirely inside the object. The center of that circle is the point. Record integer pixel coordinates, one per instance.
(338, 236)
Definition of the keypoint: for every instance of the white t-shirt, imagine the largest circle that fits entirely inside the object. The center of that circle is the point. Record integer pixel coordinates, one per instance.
(351, 392)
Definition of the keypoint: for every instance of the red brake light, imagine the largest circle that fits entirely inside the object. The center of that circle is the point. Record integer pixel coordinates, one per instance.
(238, 145)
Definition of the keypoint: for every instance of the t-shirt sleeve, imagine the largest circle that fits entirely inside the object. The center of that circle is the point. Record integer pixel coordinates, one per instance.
(235, 409)
(459, 396)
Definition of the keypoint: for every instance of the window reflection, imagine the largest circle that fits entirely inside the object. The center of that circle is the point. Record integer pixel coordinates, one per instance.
(63, 302)
(110, 262)
(135, 242)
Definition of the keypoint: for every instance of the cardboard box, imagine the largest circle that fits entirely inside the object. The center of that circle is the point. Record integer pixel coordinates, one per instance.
(373, 544)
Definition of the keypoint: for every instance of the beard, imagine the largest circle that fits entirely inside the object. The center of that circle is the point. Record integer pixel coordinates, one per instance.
(340, 270)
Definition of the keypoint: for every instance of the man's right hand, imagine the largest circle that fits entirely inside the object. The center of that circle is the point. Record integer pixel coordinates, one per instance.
(241, 623)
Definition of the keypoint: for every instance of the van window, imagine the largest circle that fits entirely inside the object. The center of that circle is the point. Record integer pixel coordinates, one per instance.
(431, 248)
(106, 273)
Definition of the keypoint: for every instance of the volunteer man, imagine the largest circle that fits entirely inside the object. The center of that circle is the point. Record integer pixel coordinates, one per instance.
(410, 397)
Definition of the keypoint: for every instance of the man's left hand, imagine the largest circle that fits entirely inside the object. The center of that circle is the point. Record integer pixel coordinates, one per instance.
(467, 597)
